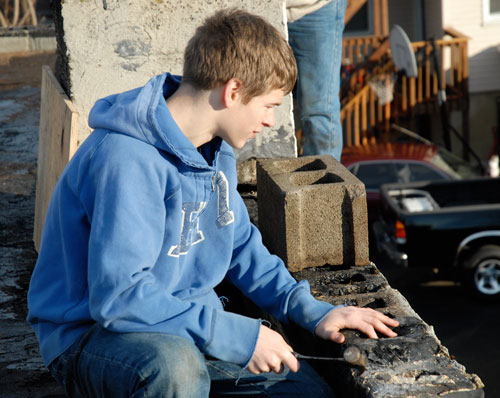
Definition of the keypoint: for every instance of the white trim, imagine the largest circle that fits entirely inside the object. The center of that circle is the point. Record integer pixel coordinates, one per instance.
(488, 17)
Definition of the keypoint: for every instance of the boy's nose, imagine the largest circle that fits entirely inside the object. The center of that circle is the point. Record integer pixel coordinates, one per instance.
(269, 119)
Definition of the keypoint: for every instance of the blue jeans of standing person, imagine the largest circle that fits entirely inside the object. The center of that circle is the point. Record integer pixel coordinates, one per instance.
(105, 364)
(316, 41)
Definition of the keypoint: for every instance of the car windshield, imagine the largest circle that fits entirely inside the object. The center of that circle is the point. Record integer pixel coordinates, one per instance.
(375, 173)
(445, 160)
(455, 165)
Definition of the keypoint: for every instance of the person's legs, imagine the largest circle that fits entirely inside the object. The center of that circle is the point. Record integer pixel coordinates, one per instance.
(106, 364)
(316, 40)
(230, 380)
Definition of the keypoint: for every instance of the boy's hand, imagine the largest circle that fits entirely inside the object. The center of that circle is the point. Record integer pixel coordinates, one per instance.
(272, 353)
(365, 320)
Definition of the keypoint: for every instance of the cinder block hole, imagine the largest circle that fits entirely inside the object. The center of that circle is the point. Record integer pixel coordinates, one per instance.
(299, 164)
(425, 374)
(356, 278)
(344, 279)
(312, 166)
(404, 330)
(377, 303)
(302, 179)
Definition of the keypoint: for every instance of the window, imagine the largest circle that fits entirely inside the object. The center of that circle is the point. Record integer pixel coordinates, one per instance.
(361, 23)
(491, 11)
(419, 172)
(375, 174)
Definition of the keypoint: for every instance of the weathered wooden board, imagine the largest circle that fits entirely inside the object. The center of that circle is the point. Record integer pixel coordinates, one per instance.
(58, 141)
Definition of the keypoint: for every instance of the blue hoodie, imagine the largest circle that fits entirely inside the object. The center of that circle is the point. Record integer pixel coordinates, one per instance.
(140, 229)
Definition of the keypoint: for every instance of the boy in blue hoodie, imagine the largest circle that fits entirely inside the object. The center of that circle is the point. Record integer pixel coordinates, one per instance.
(146, 220)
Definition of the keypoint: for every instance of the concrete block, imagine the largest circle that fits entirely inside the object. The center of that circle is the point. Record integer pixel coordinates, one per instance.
(312, 211)
(247, 172)
(106, 47)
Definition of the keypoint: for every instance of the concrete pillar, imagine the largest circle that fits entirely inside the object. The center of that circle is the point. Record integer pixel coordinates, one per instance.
(109, 46)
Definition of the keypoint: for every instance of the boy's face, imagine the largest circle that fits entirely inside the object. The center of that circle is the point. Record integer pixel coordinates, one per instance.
(244, 121)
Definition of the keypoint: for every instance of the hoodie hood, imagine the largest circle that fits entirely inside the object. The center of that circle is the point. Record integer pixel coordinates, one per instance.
(142, 113)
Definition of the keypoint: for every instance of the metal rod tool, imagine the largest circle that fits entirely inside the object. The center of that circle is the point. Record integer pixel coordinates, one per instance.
(352, 355)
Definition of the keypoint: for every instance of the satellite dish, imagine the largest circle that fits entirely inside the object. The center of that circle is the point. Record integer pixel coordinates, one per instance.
(402, 52)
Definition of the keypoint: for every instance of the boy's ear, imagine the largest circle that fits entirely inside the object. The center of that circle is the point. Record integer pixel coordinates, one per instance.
(231, 92)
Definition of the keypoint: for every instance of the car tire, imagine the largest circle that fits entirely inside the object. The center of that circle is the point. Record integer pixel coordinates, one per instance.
(483, 272)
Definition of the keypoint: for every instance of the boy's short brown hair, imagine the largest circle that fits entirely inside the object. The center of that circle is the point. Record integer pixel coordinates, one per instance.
(233, 43)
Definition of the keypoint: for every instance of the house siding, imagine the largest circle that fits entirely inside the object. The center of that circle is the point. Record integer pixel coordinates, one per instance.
(484, 55)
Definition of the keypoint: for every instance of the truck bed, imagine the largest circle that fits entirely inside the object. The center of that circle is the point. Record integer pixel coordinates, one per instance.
(418, 197)
(438, 216)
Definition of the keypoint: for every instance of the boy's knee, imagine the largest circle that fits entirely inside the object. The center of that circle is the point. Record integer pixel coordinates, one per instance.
(175, 367)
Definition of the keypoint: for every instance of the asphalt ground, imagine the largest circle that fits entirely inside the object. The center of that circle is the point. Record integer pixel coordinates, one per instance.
(22, 374)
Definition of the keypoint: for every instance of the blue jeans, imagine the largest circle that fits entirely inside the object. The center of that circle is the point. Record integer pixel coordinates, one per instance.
(316, 41)
(106, 364)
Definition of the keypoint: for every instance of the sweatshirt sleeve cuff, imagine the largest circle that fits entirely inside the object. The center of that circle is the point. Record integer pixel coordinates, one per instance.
(234, 337)
(305, 310)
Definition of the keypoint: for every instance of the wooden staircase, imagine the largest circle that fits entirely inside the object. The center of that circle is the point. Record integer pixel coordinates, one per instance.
(365, 119)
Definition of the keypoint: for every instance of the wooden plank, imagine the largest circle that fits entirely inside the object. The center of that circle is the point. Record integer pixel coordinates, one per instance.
(364, 118)
(455, 33)
(364, 113)
(413, 92)
(58, 141)
(349, 127)
(428, 72)
(404, 93)
(377, 29)
(460, 62)
(443, 72)
(373, 120)
(385, 17)
(465, 57)
(359, 43)
(420, 79)
(356, 123)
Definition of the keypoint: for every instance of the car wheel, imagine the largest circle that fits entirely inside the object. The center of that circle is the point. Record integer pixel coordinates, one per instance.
(483, 271)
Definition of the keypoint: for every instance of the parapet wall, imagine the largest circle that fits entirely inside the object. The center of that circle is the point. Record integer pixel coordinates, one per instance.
(414, 364)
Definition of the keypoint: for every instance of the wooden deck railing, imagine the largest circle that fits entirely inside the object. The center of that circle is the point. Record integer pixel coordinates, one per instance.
(363, 113)
(18, 13)
(357, 49)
